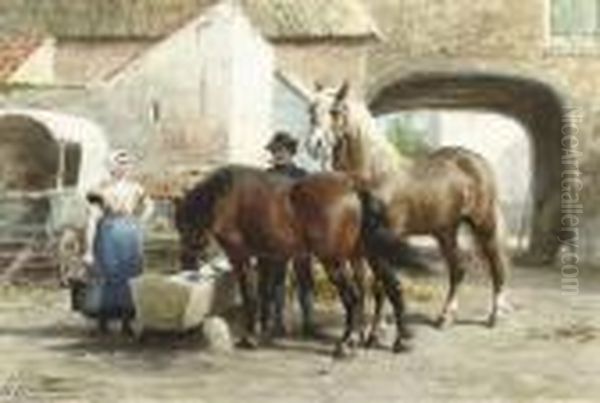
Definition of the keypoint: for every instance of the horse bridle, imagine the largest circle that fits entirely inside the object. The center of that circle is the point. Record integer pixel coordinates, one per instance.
(325, 150)
(340, 135)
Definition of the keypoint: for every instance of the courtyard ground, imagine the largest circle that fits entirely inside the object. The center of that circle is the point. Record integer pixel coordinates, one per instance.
(547, 350)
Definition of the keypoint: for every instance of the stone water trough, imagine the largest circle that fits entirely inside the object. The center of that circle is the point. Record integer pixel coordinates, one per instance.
(180, 302)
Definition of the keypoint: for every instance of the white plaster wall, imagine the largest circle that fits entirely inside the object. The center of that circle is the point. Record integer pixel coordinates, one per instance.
(252, 88)
(201, 97)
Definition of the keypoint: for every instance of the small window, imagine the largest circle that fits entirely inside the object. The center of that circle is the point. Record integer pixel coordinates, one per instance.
(575, 25)
(72, 164)
(575, 17)
(155, 112)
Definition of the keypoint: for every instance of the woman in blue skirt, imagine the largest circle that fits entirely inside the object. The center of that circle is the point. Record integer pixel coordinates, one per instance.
(115, 241)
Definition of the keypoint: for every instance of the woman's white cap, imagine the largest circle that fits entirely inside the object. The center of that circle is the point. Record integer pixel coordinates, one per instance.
(120, 158)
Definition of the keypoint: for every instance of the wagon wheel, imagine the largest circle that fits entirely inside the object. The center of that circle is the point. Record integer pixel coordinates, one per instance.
(69, 252)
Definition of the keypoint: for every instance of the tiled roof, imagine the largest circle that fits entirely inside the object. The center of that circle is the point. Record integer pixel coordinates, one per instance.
(14, 51)
(101, 19)
(310, 19)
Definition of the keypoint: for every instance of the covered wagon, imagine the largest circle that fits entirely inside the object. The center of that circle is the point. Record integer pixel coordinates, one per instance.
(48, 161)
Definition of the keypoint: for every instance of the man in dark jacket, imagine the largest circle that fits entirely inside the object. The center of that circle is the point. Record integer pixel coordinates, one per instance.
(283, 148)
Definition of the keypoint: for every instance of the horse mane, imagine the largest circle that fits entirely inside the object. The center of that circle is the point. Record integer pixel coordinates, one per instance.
(380, 158)
(198, 206)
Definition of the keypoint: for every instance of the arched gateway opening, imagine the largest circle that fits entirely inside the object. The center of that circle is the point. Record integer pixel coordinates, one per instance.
(534, 104)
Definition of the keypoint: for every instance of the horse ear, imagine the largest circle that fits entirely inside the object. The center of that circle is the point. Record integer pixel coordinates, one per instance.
(177, 201)
(342, 93)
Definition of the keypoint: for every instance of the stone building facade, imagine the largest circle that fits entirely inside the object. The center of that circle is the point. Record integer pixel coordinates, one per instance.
(533, 61)
(529, 60)
(184, 89)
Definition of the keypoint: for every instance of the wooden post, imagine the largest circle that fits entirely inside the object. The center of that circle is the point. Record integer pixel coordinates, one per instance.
(60, 175)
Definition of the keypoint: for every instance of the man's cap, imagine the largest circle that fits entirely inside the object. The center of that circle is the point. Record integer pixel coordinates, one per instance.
(283, 140)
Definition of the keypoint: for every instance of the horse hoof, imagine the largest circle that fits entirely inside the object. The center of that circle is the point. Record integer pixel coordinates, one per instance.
(406, 334)
(247, 343)
(492, 321)
(400, 346)
(372, 341)
(343, 350)
(363, 339)
(266, 340)
(442, 322)
(505, 306)
(279, 332)
(312, 332)
(339, 351)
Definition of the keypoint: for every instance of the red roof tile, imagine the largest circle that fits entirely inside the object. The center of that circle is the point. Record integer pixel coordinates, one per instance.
(14, 51)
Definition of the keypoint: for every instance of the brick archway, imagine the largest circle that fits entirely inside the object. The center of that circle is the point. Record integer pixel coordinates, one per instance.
(534, 104)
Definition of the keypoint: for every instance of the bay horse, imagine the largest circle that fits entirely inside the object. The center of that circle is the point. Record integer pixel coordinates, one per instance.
(431, 195)
(252, 213)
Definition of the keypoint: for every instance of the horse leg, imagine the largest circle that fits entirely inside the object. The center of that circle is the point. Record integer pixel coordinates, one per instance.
(385, 275)
(278, 277)
(240, 268)
(359, 274)
(492, 250)
(348, 295)
(265, 298)
(449, 246)
(306, 294)
(378, 298)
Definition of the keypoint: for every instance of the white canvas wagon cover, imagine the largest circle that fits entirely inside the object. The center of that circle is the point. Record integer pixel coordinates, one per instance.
(65, 128)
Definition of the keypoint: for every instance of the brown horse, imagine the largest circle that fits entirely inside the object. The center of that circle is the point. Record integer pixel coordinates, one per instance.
(253, 213)
(432, 195)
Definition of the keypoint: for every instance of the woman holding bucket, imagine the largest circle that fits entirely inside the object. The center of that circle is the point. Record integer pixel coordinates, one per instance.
(114, 241)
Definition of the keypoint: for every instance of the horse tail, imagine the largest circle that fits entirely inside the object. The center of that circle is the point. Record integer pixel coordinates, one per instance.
(378, 238)
(374, 216)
